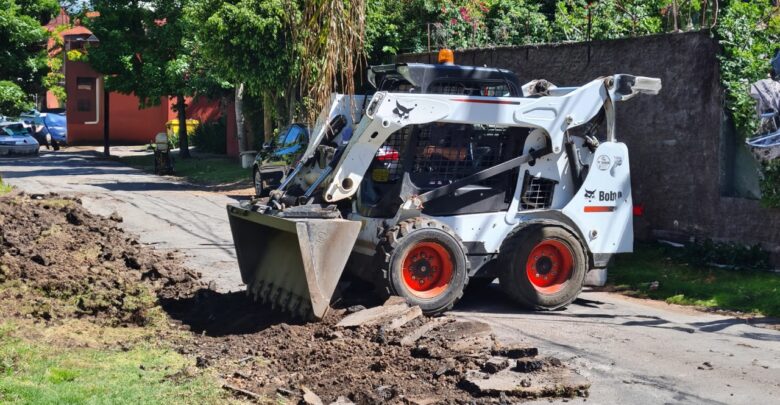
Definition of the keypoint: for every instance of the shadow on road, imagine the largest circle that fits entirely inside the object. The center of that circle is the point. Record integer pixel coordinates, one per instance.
(491, 300)
(145, 186)
(72, 163)
(63, 163)
(221, 314)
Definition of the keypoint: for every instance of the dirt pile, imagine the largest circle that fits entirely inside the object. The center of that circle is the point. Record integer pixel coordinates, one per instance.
(58, 260)
(387, 354)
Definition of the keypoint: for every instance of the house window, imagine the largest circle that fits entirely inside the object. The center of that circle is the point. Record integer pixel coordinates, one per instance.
(85, 83)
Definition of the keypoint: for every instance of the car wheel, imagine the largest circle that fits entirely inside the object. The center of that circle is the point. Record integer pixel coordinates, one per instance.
(261, 184)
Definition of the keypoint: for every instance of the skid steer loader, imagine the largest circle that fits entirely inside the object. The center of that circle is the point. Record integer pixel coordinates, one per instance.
(447, 174)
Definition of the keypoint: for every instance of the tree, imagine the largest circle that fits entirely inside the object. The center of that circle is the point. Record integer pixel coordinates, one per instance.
(13, 100)
(287, 52)
(518, 22)
(144, 50)
(23, 57)
(329, 39)
(247, 43)
(41, 10)
(74, 7)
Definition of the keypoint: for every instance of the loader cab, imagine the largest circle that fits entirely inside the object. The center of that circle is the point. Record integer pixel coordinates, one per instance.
(460, 80)
(431, 155)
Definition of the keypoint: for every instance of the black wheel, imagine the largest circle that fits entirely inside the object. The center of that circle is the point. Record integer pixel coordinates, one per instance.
(424, 262)
(542, 267)
(261, 184)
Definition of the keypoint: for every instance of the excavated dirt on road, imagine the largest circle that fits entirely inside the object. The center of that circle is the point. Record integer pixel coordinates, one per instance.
(57, 261)
(382, 360)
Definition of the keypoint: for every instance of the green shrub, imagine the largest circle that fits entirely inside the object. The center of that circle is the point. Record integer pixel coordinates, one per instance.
(708, 252)
(770, 184)
(211, 137)
(13, 100)
(749, 32)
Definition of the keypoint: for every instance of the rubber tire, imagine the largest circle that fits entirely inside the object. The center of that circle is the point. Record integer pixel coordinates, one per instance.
(399, 239)
(260, 189)
(512, 274)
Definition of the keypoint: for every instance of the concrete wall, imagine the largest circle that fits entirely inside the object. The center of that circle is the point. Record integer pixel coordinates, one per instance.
(682, 150)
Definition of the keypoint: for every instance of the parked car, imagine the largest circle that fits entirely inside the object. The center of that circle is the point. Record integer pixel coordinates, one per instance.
(57, 124)
(16, 139)
(49, 128)
(274, 160)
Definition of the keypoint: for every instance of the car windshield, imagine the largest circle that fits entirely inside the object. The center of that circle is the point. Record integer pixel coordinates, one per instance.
(291, 136)
(17, 130)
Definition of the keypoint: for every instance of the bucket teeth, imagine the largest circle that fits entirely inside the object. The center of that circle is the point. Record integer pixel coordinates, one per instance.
(265, 291)
(255, 289)
(285, 300)
(295, 303)
(281, 300)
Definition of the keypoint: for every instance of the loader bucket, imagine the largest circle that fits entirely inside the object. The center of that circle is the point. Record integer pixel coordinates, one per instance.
(292, 264)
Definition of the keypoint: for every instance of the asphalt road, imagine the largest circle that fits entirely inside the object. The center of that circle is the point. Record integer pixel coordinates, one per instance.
(633, 351)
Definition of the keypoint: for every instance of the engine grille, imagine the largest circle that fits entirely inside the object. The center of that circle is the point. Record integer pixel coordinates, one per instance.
(537, 193)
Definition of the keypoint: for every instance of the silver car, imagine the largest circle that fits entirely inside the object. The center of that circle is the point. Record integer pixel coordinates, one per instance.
(16, 139)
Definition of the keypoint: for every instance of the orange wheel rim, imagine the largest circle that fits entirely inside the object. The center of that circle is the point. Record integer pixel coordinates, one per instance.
(427, 269)
(549, 266)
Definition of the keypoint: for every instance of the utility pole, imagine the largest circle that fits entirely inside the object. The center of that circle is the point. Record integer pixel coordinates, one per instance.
(106, 142)
(429, 42)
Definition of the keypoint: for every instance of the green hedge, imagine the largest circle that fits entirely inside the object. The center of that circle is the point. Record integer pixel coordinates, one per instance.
(211, 137)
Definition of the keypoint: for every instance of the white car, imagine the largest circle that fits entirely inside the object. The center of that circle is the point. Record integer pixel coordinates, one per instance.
(16, 139)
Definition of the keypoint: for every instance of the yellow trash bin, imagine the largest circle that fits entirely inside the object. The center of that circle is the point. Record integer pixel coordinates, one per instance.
(173, 127)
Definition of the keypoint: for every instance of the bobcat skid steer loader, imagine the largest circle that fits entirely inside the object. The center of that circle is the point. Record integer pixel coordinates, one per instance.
(452, 174)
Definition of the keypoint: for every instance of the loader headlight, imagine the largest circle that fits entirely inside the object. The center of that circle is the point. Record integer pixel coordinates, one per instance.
(375, 102)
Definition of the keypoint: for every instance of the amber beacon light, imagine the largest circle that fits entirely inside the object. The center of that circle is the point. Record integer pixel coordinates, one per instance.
(446, 56)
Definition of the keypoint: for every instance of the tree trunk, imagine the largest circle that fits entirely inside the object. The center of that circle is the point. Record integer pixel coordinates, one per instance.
(292, 100)
(240, 121)
(268, 124)
(281, 110)
(184, 143)
(715, 11)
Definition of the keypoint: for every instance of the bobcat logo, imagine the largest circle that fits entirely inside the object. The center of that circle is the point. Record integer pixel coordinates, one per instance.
(590, 194)
(401, 111)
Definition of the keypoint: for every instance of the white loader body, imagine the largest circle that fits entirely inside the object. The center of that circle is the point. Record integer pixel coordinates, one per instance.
(559, 205)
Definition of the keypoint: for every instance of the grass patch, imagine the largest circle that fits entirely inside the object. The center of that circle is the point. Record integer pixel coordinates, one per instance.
(5, 188)
(682, 283)
(197, 169)
(33, 371)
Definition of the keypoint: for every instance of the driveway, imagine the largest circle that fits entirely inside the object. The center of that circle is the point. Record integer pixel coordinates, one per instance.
(633, 351)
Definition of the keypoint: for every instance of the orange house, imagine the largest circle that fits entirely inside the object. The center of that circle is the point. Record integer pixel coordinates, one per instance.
(128, 123)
